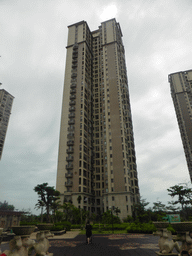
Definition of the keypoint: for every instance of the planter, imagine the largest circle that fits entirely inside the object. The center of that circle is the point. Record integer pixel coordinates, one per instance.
(182, 226)
(45, 226)
(23, 230)
(162, 224)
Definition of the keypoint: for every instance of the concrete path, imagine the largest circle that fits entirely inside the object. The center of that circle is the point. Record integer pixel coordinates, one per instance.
(106, 245)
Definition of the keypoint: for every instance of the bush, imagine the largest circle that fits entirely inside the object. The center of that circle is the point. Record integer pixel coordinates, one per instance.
(57, 228)
(170, 228)
(129, 219)
(145, 228)
(65, 225)
(106, 227)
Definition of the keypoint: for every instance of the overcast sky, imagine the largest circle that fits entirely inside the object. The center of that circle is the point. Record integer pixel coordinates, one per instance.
(157, 36)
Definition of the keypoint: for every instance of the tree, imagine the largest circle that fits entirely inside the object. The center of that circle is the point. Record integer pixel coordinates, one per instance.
(47, 197)
(117, 211)
(139, 211)
(159, 207)
(6, 207)
(67, 209)
(40, 205)
(183, 193)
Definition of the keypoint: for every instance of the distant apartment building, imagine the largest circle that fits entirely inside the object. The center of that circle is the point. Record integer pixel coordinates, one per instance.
(181, 92)
(97, 168)
(6, 101)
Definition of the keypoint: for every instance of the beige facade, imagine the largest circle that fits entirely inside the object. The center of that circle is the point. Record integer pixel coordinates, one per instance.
(6, 101)
(181, 91)
(96, 151)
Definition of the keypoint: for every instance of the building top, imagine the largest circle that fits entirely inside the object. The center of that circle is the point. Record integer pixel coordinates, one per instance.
(3, 90)
(77, 24)
(189, 70)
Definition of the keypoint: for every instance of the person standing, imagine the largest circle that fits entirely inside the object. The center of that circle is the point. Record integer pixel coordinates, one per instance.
(88, 232)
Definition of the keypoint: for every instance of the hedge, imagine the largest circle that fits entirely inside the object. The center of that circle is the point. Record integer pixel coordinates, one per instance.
(145, 228)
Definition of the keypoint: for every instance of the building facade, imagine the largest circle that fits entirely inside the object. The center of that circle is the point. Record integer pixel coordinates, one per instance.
(181, 92)
(6, 101)
(96, 163)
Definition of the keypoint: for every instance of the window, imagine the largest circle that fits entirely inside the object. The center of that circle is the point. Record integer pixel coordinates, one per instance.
(113, 198)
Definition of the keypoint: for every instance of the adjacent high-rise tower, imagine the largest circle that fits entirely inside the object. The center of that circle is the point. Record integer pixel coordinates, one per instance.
(181, 92)
(6, 101)
(96, 162)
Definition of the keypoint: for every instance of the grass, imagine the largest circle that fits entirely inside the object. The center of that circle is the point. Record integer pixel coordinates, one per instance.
(83, 232)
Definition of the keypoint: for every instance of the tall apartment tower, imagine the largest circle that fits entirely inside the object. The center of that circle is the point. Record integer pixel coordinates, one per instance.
(181, 92)
(96, 162)
(6, 101)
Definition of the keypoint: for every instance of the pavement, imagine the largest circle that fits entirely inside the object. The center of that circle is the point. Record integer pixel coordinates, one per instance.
(73, 244)
(106, 245)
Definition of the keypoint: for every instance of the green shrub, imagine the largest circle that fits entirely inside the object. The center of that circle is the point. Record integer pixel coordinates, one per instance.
(170, 228)
(129, 219)
(66, 225)
(57, 228)
(145, 228)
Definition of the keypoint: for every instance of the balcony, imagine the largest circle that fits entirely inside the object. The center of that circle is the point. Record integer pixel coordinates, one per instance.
(70, 150)
(74, 74)
(74, 65)
(68, 175)
(71, 115)
(72, 97)
(74, 56)
(69, 158)
(70, 142)
(72, 102)
(71, 128)
(72, 109)
(69, 166)
(74, 61)
(71, 121)
(69, 183)
(73, 85)
(70, 135)
(73, 91)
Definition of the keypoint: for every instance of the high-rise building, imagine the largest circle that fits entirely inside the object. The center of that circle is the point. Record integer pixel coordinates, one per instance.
(96, 162)
(181, 92)
(6, 101)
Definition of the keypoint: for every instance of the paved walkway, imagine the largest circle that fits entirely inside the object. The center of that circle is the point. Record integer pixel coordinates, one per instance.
(106, 245)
